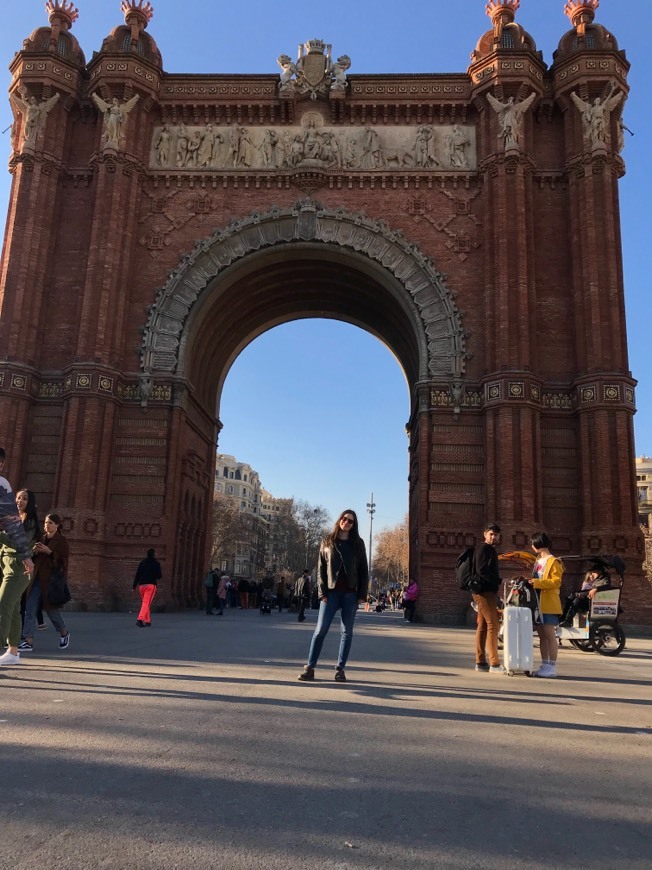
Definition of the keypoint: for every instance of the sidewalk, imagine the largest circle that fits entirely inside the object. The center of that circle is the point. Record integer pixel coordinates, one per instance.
(193, 744)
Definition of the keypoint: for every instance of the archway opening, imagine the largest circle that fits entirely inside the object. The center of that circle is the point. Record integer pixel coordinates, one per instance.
(318, 409)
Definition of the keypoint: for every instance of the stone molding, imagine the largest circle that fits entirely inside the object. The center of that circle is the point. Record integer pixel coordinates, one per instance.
(306, 222)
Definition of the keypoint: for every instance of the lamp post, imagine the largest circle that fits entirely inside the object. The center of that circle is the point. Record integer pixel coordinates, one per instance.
(371, 510)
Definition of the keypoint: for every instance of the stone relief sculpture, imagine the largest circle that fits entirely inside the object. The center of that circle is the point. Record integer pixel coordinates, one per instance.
(595, 117)
(458, 141)
(34, 115)
(313, 146)
(510, 118)
(115, 118)
(182, 146)
(162, 146)
(424, 156)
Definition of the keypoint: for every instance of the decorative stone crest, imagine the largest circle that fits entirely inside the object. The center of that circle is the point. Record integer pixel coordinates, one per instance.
(314, 74)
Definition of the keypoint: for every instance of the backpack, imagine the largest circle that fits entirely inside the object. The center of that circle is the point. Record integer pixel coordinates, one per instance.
(464, 569)
(209, 580)
(521, 594)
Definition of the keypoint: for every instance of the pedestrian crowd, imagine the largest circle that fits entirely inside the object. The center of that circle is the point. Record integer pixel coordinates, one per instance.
(34, 582)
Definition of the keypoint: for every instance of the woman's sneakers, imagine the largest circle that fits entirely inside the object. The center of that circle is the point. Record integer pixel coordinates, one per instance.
(9, 658)
(64, 641)
(25, 646)
(547, 669)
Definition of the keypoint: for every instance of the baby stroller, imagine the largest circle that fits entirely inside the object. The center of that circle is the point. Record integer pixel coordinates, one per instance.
(266, 601)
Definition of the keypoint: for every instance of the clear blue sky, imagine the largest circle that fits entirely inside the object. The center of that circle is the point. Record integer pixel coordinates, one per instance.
(271, 405)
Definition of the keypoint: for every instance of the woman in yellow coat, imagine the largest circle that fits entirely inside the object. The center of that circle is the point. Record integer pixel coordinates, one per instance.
(547, 574)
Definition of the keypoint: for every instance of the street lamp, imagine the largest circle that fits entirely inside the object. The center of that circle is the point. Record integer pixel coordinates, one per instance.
(371, 510)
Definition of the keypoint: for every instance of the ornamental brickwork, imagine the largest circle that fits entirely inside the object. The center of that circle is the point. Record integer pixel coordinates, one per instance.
(159, 223)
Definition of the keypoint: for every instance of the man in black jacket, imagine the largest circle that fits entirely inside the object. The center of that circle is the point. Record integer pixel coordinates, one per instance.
(487, 581)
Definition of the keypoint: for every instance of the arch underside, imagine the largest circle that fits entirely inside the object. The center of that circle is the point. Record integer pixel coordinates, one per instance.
(296, 263)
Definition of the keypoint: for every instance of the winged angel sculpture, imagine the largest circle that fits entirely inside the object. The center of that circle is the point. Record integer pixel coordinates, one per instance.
(595, 116)
(115, 117)
(34, 115)
(510, 118)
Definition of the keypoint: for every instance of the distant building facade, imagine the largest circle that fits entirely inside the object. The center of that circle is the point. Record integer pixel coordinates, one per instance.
(240, 484)
(644, 488)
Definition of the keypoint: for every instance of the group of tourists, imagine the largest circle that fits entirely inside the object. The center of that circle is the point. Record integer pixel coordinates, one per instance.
(546, 579)
(34, 568)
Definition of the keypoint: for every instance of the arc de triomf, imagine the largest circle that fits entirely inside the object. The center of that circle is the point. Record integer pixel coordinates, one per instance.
(160, 222)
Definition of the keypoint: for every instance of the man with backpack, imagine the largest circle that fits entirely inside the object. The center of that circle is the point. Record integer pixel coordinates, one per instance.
(484, 587)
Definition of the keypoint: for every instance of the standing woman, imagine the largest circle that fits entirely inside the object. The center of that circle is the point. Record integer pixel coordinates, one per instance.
(342, 581)
(547, 575)
(26, 504)
(50, 554)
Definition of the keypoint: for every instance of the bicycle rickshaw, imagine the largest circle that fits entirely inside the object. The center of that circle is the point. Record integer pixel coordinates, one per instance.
(596, 630)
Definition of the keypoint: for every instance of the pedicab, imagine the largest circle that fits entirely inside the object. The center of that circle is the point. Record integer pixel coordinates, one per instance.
(596, 630)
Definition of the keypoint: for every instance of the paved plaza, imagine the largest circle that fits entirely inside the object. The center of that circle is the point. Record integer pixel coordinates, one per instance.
(192, 745)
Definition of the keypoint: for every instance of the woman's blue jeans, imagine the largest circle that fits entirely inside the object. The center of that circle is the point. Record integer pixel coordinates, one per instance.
(347, 603)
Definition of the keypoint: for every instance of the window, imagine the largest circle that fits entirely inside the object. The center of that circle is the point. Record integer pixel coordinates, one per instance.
(225, 473)
(230, 489)
(238, 476)
(245, 477)
(506, 39)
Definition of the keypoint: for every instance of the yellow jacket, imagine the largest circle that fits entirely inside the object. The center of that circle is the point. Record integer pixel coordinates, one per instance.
(550, 585)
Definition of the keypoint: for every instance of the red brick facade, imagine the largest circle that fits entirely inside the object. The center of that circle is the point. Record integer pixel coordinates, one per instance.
(136, 267)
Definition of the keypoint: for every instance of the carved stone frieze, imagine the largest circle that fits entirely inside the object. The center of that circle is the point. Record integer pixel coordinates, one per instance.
(313, 145)
(442, 326)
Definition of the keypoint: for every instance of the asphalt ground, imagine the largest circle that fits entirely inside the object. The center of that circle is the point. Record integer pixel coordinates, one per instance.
(192, 744)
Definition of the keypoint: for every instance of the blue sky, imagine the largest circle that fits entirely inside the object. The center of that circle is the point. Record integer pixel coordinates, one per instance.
(272, 405)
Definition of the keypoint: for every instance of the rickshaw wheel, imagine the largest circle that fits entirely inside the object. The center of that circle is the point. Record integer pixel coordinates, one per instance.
(607, 638)
(583, 645)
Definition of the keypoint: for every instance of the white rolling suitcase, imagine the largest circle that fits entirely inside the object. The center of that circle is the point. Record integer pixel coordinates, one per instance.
(518, 647)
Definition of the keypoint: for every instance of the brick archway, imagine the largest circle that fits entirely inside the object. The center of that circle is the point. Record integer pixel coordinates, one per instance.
(386, 285)
(288, 264)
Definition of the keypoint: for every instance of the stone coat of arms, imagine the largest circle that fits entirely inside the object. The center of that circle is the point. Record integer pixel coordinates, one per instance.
(313, 74)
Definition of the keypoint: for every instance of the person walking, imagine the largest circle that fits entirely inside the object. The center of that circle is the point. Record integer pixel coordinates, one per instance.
(343, 581)
(148, 573)
(222, 591)
(302, 594)
(210, 588)
(547, 576)
(410, 597)
(487, 581)
(26, 506)
(50, 556)
(16, 566)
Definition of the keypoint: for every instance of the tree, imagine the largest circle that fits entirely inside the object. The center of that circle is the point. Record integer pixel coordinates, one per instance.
(229, 528)
(314, 523)
(391, 554)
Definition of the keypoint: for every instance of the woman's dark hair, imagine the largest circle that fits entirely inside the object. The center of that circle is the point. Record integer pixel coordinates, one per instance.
(354, 534)
(31, 516)
(541, 541)
(54, 518)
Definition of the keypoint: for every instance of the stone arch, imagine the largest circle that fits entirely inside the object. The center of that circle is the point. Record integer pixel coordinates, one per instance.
(431, 347)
